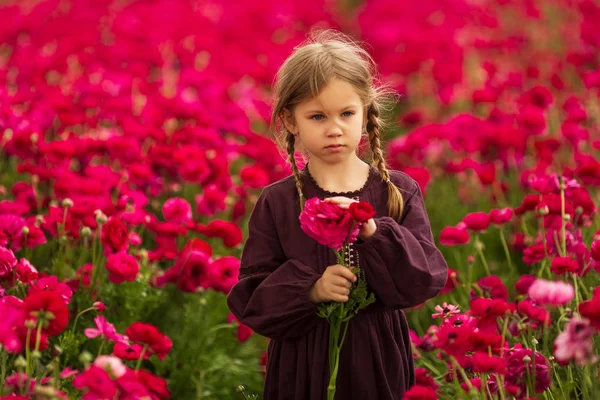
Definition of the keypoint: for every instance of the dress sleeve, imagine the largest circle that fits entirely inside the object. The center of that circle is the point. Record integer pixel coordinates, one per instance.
(272, 294)
(401, 262)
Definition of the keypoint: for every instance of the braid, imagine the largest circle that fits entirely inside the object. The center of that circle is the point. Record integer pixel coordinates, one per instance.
(374, 123)
(291, 149)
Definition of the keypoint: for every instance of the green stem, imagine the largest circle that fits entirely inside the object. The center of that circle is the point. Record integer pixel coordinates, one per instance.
(139, 362)
(563, 223)
(79, 315)
(480, 252)
(506, 251)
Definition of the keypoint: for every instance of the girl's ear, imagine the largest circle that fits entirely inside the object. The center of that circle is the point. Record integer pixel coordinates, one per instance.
(289, 121)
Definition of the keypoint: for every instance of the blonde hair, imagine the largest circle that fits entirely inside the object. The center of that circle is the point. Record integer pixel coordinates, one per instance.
(326, 55)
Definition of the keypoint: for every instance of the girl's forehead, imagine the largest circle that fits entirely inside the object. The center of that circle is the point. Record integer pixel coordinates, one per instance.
(337, 94)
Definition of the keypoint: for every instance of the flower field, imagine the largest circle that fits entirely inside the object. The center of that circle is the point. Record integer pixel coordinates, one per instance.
(133, 146)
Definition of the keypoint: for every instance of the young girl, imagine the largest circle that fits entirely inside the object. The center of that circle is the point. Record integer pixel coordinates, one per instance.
(326, 101)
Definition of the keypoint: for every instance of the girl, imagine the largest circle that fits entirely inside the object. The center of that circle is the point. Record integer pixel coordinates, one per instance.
(326, 101)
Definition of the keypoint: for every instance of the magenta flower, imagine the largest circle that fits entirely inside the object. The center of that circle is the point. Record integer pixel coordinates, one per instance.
(97, 383)
(501, 216)
(104, 329)
(7, 262)
(575, 343)
(51, 283)
(328, 223)
(177, 210)
(551, 292)
(122, 267)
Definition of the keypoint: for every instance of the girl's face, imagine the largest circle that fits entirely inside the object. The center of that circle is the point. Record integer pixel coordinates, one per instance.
(329, 126)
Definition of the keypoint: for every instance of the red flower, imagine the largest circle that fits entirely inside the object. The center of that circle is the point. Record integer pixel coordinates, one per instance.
(362, 211)
(591, 309)
(562, 265)
(492, 287)
(225, 273)
(522, 285)
(477, 221)
(452, 236)
(243, 332)
(418, 392)
(128, 351)
(230, 233)
(48, 308)
(482, 362)
(149, 335)
(115, 236)
(501, 217)
(122, 267)
(7, 262)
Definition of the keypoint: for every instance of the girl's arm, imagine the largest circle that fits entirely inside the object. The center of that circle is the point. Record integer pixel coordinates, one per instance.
(272, 295)
(401, 262)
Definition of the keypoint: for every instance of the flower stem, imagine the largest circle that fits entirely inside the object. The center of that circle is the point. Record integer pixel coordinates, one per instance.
(506, 251)
(139, 362)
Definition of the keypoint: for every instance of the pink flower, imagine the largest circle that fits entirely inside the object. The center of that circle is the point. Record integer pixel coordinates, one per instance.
(328, 223)
(445, 310)
(551, 292)
(7, 262)
(575, 343)
(113, 365)
(104, 329)
(122, 267)
(177, 210)
(97, 383)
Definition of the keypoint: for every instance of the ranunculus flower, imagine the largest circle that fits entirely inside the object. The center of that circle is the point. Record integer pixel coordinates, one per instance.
(229, 232)
(113, 365)
(453, 236)
(51, 283)
(417, 392)
(328, 223)
(40, 305)
(562, 265)
(501, 216)
(244, 332)
(177, 210)
(7, 262)
(26, 272)
(591, 309)
(225, 273)
(105, 329)
(524, 282)
(128, 351)
(114, 236)
(149, 335)
(362, 211)
(477, 221)
(551, 292)
(575, 343)
(97, 384)
(122, 267)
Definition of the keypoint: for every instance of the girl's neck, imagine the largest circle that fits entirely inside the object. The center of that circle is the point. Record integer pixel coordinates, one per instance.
(341, 177)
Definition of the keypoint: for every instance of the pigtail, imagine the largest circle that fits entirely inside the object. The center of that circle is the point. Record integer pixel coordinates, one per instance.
(291, 150)
(374, 123)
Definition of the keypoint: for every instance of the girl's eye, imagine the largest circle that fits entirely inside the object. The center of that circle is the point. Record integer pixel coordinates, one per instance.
(318, 117)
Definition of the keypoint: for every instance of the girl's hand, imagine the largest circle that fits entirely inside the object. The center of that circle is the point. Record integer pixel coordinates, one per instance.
(333, 285)
(367, 229)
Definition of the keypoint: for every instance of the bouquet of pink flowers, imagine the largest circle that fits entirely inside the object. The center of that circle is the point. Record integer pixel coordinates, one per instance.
(335, 228)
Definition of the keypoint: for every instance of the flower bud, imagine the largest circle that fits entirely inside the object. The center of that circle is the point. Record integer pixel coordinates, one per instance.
(202, 301)
(100, 217)
(67, 203)
(143, 254)
(534, 341)
(39, 219)
(25, 230)
(86, 231)
(578, 210)
(30, 324)
(99, 306)
(20, 362)
(86, 357)
(544, 210)
(56, 351)
(36, 355)
(34, 137)
(8, 134)
(240, 388)
(567, 217)
(526, 359)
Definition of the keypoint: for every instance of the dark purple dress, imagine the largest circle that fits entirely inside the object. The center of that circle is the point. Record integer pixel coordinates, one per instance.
(280, 264)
